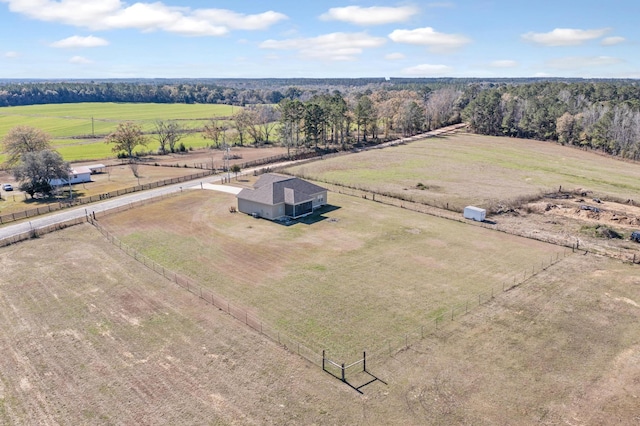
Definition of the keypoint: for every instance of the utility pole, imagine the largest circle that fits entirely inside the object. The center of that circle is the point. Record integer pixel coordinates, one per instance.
(227, 155)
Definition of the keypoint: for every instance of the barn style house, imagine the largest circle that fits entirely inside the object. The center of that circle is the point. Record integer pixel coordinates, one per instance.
(276, 196)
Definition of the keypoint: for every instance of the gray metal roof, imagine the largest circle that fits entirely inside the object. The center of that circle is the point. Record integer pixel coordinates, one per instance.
(276, 189)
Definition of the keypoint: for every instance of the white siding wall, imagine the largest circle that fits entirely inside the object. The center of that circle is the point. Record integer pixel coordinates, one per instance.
(319, 199)
(262, 210)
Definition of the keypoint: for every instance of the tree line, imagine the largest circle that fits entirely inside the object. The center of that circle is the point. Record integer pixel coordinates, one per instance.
(597, 115)
(337, 120)
(213, 91)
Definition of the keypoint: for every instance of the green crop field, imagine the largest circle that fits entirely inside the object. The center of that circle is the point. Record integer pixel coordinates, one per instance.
(486, 171)
(367, 273)
(72, 125)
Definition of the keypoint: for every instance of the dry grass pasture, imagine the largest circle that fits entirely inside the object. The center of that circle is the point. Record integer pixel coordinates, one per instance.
(89, 337)
(363, 274)
(486, 171)
(114, 343)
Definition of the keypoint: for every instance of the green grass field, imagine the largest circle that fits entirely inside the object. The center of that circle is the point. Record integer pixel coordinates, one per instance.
(370, 273)
(65, 122)
(486, 171)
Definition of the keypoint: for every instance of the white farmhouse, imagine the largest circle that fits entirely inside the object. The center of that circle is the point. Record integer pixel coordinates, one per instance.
(80, 174)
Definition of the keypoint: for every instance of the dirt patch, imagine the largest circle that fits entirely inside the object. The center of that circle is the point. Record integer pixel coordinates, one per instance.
(574, 220)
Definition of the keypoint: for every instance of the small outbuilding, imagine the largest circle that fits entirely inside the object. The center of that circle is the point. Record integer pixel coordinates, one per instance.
(475, 213)
(276, 196)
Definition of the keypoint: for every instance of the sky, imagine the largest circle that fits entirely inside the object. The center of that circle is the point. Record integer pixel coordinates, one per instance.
(85, 39)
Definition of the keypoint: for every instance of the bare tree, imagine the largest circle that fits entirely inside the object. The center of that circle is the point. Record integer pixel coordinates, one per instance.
(440, 107)
(215, 130)
(168, 134)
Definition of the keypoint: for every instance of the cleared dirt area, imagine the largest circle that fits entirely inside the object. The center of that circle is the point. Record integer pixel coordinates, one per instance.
(573, 219)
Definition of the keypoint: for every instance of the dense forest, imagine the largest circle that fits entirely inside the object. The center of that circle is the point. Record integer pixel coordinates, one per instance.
(597, 115)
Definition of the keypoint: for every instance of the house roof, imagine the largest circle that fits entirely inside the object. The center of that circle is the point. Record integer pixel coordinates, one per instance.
(80, 170)
(275, 189)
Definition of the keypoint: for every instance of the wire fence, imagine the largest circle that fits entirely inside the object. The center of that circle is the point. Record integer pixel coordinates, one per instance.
(451, 212)
(40, 231)
(52, 207)
(377, 353)
(448, 314)
(240, 313)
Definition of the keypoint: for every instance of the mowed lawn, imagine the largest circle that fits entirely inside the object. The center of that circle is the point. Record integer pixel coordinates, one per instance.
(68, 122)
(486, 171)
(363, 274)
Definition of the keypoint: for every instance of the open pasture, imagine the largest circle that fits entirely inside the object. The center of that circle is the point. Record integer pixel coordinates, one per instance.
(486, 171)
(360, 274)
(69, 123)
(90, 336)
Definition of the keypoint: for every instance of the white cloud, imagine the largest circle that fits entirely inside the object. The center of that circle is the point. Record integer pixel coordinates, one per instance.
(11, 54)
(429, 70)
(610, 41)
(437, 42)
(334, 46)
(565, 36)
(238, 21)
(78, 41)
(394, 56)
(80, 60)
(575, 62)
(376, 15)
(115, 14)
(504, 63)
(444, 5)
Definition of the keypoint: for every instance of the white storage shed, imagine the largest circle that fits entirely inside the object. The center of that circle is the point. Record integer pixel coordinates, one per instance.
(475, 213)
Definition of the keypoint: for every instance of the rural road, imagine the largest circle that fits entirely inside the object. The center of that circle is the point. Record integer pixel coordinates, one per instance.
(103, 206)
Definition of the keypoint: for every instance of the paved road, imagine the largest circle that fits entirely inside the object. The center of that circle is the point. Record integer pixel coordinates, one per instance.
(102, 206)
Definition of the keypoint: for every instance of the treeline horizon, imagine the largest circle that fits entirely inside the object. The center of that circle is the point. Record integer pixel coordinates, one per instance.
(230, 91)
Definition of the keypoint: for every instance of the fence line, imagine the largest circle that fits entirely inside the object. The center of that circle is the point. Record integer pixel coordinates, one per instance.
(38, 232)
(450, 313)
(452, 212)
(25, 214)
(377, 353)
(237, 312)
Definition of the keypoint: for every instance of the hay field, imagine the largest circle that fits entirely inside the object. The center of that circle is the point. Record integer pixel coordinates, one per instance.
(486, 171)
(365, 274)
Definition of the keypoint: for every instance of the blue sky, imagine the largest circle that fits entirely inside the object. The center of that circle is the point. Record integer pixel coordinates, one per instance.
(315, 39)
